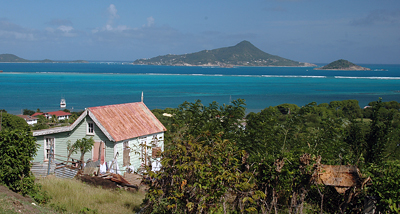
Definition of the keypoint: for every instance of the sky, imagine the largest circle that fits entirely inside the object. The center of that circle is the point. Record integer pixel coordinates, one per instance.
(314, 31)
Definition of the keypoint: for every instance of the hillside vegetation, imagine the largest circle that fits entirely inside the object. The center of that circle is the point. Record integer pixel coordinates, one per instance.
(14, 58)
(217, 162)
(11, 58)
(341, 64)
(242, 54)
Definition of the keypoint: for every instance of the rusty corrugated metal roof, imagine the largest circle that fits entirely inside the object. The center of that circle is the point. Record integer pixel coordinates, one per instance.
(58, 113)
(126, 121)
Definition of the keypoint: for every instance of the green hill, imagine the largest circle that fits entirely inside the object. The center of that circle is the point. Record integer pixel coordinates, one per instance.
(11, 58)
(14, 58)
(342, 64)
(242, 54)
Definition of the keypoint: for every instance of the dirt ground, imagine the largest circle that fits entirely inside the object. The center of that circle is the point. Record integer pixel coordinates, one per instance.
(19, 203)
(98, 181)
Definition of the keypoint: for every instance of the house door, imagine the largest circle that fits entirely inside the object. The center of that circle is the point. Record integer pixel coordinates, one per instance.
(99, 152)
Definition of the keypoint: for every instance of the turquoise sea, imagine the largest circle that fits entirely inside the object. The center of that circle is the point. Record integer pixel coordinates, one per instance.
(42, 85)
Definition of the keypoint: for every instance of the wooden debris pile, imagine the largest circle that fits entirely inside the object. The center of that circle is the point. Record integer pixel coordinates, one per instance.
(119, 180)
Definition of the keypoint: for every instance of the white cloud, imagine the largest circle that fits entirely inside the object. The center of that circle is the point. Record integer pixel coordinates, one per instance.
(110, 26)
(150, 21)
(112, 11)
(10, 32)
(65, 29)
(112, 14)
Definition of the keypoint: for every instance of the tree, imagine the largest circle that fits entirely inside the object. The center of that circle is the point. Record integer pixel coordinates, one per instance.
(28, 112)
(377, 137)
(11, 122)
(198, 176)
(17, 149)
(41, 124)
(347, 108)
(196, 118)
(84, 145)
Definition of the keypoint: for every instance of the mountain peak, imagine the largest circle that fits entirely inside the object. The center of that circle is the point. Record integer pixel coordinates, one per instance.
(242, 54)
(244, 43)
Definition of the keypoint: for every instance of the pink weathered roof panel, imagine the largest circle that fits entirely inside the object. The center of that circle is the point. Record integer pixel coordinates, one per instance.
(126, 121)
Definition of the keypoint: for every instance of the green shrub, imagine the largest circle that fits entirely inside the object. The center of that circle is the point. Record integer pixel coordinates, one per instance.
(17, 148)
(386, 185)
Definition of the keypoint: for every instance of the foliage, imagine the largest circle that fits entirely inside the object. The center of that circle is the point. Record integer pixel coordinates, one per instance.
(17, 148)
(198, 176)
(41, 123)
(74, 116)
(11, 122)
(377, 137)
(339, 64)
(28, 112)
(84, 145)
(280, 149)
(386, 185)
(347, 108)
(197, 118)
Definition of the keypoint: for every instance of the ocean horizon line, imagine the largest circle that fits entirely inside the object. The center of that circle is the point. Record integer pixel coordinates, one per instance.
(210, 75)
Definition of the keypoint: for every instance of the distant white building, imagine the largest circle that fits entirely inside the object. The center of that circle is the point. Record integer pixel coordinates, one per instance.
(61, 115)
(29, 119)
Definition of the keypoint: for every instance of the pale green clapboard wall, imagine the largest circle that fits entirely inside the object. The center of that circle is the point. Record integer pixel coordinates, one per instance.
(62, 139)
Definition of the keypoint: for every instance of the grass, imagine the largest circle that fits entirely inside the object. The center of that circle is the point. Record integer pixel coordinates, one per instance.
(73, 196)
(11, 205)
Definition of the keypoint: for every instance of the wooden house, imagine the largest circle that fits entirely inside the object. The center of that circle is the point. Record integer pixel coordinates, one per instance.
(128, 133)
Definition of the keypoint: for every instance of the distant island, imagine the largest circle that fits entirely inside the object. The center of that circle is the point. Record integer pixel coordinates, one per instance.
(342, 64)
(242, 54)
(14, 58)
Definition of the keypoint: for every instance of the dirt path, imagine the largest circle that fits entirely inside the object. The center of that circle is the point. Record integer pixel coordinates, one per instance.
(16, 202)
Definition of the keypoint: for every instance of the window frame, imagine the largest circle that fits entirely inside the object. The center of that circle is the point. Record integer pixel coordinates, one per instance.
(89, 129)
(46, 149)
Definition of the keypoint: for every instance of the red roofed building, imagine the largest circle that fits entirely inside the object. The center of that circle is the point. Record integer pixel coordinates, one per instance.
(61, 115)
(37, 113)
(31, 120)
(128, 133)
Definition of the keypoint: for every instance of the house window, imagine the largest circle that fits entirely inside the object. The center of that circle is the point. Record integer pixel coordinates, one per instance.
(90, 128)
(127, 150)
(49, 148)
